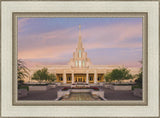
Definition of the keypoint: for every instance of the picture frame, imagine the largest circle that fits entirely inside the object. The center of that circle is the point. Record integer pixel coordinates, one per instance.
(75, 15)
(13, 9)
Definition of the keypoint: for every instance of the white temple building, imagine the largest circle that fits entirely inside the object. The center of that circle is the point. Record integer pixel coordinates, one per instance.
(79, 68)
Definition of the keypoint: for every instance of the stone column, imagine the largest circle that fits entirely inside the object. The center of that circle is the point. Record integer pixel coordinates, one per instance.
(95, 76)
(72, 77)
(87, 78)
(64, 77)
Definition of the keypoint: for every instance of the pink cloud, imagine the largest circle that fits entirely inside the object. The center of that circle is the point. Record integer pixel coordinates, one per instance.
(63, 33)
(55, 37)
(112, 36)
(46, 52)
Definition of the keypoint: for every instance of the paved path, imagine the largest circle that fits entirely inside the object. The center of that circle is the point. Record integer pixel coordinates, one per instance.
(50, 94)
(119, 95)
(109, 94)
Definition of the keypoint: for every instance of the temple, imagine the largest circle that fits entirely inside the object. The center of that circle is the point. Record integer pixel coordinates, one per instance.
(80, 68)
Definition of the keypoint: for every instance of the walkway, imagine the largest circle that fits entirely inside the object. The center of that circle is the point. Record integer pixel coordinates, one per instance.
(50, 94)
(119, 95)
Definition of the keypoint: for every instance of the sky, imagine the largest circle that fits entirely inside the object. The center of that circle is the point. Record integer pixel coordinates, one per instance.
(107, 41)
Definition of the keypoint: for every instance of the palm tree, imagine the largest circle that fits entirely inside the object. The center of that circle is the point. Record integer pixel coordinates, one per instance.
(22, 71)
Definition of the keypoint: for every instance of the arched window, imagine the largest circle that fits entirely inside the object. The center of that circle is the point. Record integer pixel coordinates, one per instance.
(79, 53)
(76, 63)
(83, 63)
(79, 63)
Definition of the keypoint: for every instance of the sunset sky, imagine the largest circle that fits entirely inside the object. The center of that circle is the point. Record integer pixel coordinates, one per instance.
(108, 41)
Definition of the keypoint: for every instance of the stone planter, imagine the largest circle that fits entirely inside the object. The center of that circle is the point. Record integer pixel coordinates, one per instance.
(66, 93)
(58, 84)
(80, 90)
(101, 84)
(86, 85)
(92, 84)
(52, 86)
(63, 93)
(73, 85)
(122, 88)
(108, 86)
(138, 92)
(98, 93)
(22, 93)
(79, 85)
(38, 88)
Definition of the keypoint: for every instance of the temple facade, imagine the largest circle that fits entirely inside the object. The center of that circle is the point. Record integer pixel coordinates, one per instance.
(80, 68)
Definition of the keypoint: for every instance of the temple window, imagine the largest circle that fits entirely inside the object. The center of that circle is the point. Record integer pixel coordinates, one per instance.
(61, 78)
(91, 78)
(83, 63)
(80, 53)
(69, 78)
(99, 79)
(76, 63)
(79, 63)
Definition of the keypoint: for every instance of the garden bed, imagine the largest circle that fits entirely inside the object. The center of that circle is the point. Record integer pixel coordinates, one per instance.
(23, 87)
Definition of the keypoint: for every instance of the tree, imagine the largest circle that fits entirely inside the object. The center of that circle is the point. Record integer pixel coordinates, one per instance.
(126, 74)
(40, 75)
(43, 75)
(139, 80)
(22, 71)
(51, 78)
(139, 77)
(107, 77)
(118, 74)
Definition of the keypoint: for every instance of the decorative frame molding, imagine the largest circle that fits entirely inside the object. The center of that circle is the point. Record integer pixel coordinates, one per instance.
(71, 105)
(90, 103)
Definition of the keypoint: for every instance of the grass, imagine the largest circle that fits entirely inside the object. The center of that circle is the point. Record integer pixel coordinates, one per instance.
(23, 87)
(136, 86)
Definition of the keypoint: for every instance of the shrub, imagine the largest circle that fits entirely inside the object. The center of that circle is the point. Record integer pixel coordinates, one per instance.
(65, 88)
(23, 87)
(118, 74)
(95, 88)
(20, 82)
(43, 75)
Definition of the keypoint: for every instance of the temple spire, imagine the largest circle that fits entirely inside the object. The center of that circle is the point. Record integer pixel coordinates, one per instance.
(79, 40)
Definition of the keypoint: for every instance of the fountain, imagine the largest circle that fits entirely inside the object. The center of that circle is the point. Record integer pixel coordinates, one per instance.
(80, 94)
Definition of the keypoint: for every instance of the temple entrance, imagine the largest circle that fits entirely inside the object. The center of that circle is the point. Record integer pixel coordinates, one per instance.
(80, 77)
